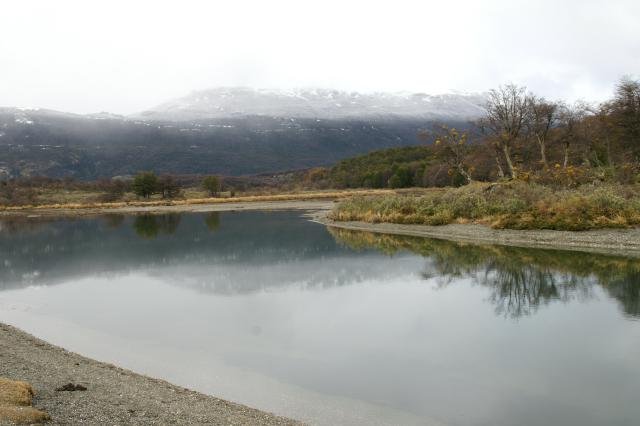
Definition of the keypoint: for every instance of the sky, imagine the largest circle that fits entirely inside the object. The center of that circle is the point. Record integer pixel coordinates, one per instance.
(127, 56)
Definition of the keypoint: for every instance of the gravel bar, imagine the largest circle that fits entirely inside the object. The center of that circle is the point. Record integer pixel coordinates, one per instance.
(113, 396)
(624, 242)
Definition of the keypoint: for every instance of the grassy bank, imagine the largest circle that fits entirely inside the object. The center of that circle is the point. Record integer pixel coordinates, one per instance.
(510, 205)
(294, 196)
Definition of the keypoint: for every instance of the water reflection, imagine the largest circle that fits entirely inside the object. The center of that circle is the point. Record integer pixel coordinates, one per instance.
(256, 251)
(21, 224)
(212, 220)
(113, 220)
(520, 279)
(150, 225)
(252, 251)
(340, 327)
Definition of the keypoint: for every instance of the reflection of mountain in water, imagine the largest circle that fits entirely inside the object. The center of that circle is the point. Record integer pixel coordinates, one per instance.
(520, 279)
(224, 253)
(309, 273)
(250, 251)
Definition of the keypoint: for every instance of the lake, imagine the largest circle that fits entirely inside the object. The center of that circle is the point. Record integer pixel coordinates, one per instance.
(332, 326)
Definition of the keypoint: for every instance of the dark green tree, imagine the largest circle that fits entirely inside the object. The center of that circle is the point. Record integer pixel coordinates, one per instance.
(401, 178)
(212, 185)
(145, 184)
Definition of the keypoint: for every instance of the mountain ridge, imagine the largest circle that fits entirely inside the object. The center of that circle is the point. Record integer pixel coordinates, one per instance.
(315, 103)
(245, 137)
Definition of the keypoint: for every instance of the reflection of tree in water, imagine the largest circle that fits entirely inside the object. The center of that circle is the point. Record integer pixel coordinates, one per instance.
(150, 225)
(519, 289)
(625, 286)
(22, 224)
(520, 279)
(113, 220)
(212, 220)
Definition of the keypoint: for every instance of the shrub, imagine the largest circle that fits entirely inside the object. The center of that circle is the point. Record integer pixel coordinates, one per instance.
(212, 185)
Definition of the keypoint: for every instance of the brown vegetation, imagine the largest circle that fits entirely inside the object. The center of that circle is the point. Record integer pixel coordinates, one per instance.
(523, 136)
(571, 167)
(514, 205)
(15, 403)
(308, 195)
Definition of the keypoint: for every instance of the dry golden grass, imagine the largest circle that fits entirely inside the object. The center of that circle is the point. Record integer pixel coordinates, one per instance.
(63, 196)
(298, 196)
(14, 392)
(15, 403)
(22, 415)
(512, 205)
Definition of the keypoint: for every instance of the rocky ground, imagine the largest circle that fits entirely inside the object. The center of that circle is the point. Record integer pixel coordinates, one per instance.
(607, 241)
(113, 396)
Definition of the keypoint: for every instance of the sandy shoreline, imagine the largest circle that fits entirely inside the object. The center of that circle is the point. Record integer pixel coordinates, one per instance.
(113, 395)
(319, 205)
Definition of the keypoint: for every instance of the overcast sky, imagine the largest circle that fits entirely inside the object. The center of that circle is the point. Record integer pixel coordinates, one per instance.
(126, 56)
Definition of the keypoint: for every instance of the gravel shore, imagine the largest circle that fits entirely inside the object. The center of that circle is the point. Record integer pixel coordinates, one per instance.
(114, 396)
(606, 241)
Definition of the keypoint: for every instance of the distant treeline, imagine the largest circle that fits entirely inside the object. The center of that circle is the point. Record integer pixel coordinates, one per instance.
(522, 136)
(143, 185)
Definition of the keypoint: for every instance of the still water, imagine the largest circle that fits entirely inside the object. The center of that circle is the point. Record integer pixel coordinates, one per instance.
(333, 326)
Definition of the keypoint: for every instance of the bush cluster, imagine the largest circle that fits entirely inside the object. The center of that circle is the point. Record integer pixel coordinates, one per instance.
(513, 205)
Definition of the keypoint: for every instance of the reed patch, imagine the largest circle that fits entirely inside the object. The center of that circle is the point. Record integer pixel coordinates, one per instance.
(509, 205)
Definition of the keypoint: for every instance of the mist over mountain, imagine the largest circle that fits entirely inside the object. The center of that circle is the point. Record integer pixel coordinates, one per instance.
(230, 131)
(316, 103)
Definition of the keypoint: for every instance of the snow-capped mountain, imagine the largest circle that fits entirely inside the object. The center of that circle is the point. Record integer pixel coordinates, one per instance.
(316, 103)
(229, 131)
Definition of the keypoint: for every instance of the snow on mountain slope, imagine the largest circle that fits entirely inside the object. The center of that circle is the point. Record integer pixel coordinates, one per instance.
(316, 103)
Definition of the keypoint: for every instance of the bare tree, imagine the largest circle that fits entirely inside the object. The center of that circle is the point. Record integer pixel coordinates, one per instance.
(607, 129)
(496, 149)
(570, 117)
(506, 118)
(168, 186)
(542, 115)
(626, 111)
(453, 147)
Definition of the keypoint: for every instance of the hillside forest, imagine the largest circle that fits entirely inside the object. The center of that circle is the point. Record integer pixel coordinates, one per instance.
(522, 136)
